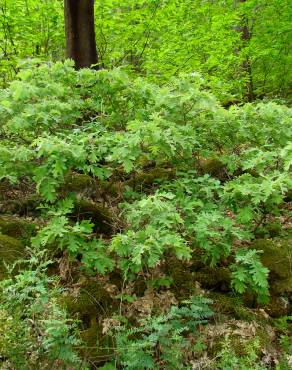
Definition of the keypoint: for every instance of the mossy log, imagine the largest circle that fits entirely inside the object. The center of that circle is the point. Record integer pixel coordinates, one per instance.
(89, 187)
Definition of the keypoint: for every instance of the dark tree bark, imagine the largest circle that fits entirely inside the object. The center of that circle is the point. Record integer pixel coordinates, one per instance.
(246, 36)
(80, 33)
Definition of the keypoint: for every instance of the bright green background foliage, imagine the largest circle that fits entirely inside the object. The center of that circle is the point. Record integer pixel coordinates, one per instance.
(161, 39)
(29, 29)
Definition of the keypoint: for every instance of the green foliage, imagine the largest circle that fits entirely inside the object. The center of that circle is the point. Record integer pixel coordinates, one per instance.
(33, 328)
(282, 323)
(215, 234)
(61, 120)
(154, 230)
(29, 29)
(229, 176)
(228, 359)
(104, 125)
(249, 274)
(75, 238)
(60, 335)
(162, 340)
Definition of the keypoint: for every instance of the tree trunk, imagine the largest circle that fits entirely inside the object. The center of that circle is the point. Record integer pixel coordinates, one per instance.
(246, 36)
(80, 33)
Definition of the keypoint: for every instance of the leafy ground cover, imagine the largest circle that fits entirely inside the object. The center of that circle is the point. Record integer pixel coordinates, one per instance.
(152, 224)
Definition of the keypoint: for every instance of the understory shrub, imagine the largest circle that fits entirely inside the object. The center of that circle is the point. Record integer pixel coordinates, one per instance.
(228, 177)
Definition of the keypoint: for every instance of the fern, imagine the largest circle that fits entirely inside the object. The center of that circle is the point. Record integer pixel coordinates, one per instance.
(160, 340)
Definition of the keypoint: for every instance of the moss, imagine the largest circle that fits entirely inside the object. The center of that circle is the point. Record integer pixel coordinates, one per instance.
(89, 305)
(278, 306)
(28, 206)
(243, 347)
(239, 338)
(213, 167)
(87, 185)
(17, 228)
(230, 305)
(282, 286)
(145, 179)
(197, 260)
(3, 189)
(183, 279)
(75, 182)
(91, 300)
(11, 249)
(271, 230)
(110, 188)
(210, 277)
(90, 337)
(99, 215)
(288, 196)
(98, 348)
(274, 229)
(276, 256)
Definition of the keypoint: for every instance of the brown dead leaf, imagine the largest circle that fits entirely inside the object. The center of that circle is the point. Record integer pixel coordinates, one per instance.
(64, 267)
(108, 324)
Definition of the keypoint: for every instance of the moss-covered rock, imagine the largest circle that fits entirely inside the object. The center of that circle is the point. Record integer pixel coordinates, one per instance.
(145, 179)
(11, 250)
(90, 303)
(213, 167)
(276, 256)
(214, 277)
(75, 182)
(223, 304)
(101, 216)
(89, 186)
(91, 300)
(16, 227)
